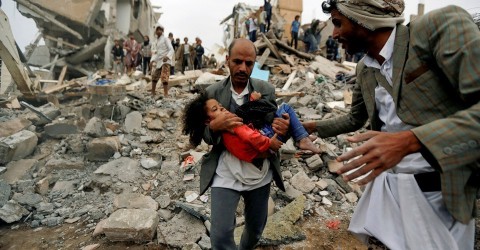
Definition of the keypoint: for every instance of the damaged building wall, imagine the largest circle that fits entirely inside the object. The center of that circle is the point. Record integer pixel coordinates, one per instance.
(288, 9)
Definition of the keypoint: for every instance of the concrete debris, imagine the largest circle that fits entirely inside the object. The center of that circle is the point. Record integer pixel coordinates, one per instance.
(134, 201)
(183, 229)
(131, 225)
(12, 212)
(301, 182)
(102, 149)
(95, 128)
(17, 146)
(18, 170)
(5, 190)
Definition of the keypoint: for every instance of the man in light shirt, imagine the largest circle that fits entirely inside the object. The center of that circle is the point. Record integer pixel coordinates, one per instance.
(419, 86)
(162, 60)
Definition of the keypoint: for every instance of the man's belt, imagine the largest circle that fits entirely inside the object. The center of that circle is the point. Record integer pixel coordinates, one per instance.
(429, 181)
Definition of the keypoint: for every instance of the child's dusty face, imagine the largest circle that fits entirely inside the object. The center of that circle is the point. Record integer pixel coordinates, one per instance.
(213, 109)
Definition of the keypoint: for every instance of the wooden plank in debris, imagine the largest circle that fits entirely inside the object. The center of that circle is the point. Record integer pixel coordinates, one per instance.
(64, 42)
(56, 88)
(285, 68)
(290, 80)
(272, 48)
(289, 59)
(289, 94)
(259, 44)
(293, 50)
(62, 75)
(263, 58)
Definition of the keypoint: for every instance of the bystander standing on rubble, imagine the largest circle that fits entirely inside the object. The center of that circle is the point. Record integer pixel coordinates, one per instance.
(199, 51)
(212, 62)
(162, 59)
(146, 54)
(332, 48)
(216, 167)
(252, 27)
(294, 31)
(419, 86)
(118, 56)
(184, 55)
(268, 9)
(262, 19)
(175, 46)
(132, 57)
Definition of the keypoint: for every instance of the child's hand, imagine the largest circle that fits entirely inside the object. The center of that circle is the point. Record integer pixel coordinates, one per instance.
(275, 144)
(255, 96)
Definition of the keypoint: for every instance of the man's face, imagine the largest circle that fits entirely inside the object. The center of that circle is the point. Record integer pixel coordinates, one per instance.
(185, 40)
(159, 31)
(241, 61)
(131, 37)
(353, 37)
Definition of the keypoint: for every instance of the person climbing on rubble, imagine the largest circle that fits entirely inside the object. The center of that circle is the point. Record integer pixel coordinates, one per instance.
(118, 56)
(419, 87)
(252, 139)
(132, 58)
(229, 177)
(162, 60)
(312, 37)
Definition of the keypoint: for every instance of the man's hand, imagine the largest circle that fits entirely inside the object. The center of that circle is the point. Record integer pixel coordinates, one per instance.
(380, 152)
(225, 121)
(310, 126)
(280, 125)
(275, 144)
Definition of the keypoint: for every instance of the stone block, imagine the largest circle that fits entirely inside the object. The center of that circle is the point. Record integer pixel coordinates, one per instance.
(133, 122)
(351, 197)
(13, 126)
(334, 166)
(17, 146)
(60, 130)
(304, 101)
(131, 225)
(322, 184)
(17, 170)
(12, 211)
(95, 128)
(314, 163)
(102, 149)
(183, 229)
(134, 201)
(61, 164)
(5, 190)
(301, 182)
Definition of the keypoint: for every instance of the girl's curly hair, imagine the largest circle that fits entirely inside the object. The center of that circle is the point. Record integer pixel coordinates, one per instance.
(194, 117)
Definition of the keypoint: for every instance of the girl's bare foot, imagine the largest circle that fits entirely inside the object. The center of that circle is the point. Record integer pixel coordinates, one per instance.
(312, 137)
(307, 144)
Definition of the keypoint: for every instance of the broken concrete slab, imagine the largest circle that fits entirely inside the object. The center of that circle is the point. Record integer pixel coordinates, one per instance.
(133, 122)
(60, 130)
(155, 124)
(61, 164)
(125, 169)
(29, 199)
(205, 243)
(334, 166)
(281, 228)
(134, 201)
(314, 163)
(5, 190)
(65, 187)
(149, 163)
(102, 149)
(17, 146)
(17, 170)
(13, 126)
(131, 225)
(95, 128)
(351, 197)
(41, 187)
(183, 229)
(12, 212)
(291, 193)
(302, 182)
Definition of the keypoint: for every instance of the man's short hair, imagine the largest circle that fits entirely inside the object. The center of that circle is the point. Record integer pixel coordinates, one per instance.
(230, 47)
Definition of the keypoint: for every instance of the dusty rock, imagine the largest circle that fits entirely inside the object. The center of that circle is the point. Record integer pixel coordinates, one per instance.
(134, 201)
(61, 164)
(314, 163)
(44, 207)
(131, 225)
(326, 202)
(181, 230)
(42, 186)
(281, 228)
(301, 182)
(133, 122)
(52, 221)
(155, 124)
(72, 220)
(95, 128)
(13, 126)
(163, 200)
(12, 211)
(5, 190)
(102, 149)
(64, 187)
(334, 166)
(125, 169)
(60, 130)
(191, 246)
(17, 170)
(30, 199)
(271, 206)
(304, 101)
(322, 184)
(287, 174)
(351, 197)
(149, 163)
(165, 214)
(17, 146)
(91, 247)
(99, 228)
(205, 243)
(291, 193)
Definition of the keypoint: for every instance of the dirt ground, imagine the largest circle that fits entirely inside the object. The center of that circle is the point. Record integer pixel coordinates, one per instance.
(73, 236)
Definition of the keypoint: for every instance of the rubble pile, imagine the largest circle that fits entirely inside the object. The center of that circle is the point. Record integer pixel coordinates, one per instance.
(107, 157)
